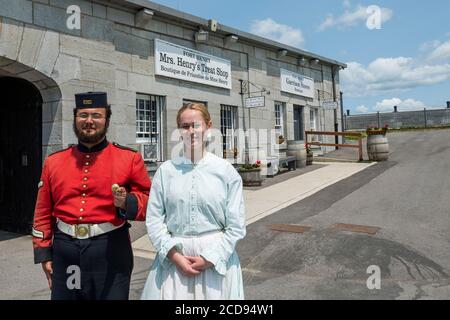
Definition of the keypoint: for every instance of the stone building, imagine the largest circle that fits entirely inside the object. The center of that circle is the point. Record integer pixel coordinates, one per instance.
(150, 59)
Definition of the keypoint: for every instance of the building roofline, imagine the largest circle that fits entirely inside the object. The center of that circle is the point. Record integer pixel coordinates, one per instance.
(195, 21)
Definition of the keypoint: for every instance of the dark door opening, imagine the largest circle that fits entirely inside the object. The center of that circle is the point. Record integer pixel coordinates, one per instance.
(298, 123)
(20, 153)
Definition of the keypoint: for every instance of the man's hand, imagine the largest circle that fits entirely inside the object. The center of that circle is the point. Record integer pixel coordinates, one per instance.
(182, 264)
(47, 266)
(120, 196)
(199, 263)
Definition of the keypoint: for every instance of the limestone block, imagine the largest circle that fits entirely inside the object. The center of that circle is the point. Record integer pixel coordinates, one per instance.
(15, 68)
(142, 65)
(10, 37)
(174, 30)
(66, 68)
(99, 72)
(52, 18)
(121, 79)
(68, 91)
(52, 133)
(97, 29)
(122, 61)
(99, 10)
(85, 6)
(126, 98)
(86, 48)
(48, 53)
(131, 44)
(120, 16)
(21, 10)
(138, 82)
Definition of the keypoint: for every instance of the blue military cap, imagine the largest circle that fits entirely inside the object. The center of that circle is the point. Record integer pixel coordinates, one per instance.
(91, 100)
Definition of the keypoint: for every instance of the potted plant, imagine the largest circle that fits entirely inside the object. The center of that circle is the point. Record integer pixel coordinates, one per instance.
(309, 156)
(372, 130)
(251, 174)
(281, 139)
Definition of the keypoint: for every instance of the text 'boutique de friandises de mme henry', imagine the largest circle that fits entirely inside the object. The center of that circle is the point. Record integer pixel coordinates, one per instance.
(150, 59)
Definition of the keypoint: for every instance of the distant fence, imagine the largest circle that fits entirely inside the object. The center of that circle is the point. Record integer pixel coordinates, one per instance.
(398, 120)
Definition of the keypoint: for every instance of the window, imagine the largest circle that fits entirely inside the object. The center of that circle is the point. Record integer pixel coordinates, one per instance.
(313, 123)
(228, 125)
(279, 118)
(313, 119)
(148, 125)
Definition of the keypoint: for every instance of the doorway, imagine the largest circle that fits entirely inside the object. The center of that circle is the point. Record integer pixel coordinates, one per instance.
(298, 123)
(20, 153)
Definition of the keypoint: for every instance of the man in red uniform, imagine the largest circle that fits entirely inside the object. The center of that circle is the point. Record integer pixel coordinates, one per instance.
(80, 229)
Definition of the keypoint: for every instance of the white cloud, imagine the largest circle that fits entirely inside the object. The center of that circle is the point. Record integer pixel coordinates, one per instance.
(387, 105)
(402, 105)
(411, 104)
(440, 52)
(362, 109)
(353, 18)
(429, 45)
(270, 29)
(391, 74)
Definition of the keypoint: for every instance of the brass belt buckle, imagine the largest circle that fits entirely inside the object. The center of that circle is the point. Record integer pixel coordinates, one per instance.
(82, 231)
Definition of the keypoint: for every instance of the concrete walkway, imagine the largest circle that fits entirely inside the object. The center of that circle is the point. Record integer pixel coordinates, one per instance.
(263, 202)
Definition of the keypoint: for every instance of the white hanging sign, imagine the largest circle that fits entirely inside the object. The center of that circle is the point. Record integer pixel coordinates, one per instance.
(329, 105)
(254, 102)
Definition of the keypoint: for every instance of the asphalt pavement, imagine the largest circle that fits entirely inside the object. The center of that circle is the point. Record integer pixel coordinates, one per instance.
(406, 197)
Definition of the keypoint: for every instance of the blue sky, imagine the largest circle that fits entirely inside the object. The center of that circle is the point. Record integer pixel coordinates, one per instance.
(405, 63)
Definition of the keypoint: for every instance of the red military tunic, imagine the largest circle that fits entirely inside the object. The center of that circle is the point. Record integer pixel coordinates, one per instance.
(75, 187)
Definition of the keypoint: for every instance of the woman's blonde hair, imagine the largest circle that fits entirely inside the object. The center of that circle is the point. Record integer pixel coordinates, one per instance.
(194, 106)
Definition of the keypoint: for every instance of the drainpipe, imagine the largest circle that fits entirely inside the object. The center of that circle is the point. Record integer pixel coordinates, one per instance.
(342, 110)
(334, 69)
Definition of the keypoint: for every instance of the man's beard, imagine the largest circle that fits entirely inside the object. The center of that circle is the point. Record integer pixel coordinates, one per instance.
(95, 138)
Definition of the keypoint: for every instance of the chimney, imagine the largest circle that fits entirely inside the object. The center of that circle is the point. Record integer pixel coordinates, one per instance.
(348, 112)
(395, 108)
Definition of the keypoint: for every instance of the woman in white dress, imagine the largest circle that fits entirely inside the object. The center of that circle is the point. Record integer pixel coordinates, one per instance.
(195, 217)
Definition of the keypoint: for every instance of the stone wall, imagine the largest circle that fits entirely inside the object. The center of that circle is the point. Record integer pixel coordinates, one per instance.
(110, 53)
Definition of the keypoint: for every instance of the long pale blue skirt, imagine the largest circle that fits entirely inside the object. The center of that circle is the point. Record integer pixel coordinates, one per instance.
(167, 283)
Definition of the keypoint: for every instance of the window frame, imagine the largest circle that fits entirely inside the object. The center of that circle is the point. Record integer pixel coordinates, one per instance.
(229, 119)
(149, 109)
(280, 111)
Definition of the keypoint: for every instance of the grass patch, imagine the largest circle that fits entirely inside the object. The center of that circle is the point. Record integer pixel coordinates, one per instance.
(353, 138)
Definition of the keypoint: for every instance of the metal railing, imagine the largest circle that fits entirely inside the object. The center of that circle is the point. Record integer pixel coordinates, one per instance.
(401, 119)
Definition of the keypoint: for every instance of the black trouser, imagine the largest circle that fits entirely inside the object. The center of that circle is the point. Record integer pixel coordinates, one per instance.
(105, 263)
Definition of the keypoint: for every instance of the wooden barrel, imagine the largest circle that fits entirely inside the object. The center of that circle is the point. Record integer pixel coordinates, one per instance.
(309, 159)
(377, 147)
(297, 148)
